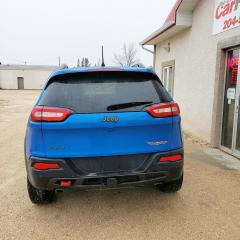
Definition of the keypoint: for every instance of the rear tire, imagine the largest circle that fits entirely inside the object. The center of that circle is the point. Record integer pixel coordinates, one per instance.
(38, 196)
(171, 187)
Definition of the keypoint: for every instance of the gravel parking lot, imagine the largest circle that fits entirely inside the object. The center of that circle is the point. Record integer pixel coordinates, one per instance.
(208, 206)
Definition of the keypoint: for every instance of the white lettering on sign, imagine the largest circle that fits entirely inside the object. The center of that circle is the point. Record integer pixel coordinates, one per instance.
(226, 15)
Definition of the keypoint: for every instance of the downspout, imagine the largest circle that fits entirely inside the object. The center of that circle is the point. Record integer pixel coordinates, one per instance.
(152, 52)
(146, 49)
(154, 57)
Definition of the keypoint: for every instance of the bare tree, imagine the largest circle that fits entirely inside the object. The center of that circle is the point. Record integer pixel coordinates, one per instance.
(85, 62)
(128, 56)
(78, 63)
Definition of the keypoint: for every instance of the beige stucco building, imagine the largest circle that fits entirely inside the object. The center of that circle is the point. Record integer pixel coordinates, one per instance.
(196, 54)
(24, 76)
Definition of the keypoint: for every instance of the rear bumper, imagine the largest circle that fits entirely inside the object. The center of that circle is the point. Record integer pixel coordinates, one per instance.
(152, 171)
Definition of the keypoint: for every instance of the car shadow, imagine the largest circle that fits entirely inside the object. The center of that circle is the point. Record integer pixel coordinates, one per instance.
(111, 203)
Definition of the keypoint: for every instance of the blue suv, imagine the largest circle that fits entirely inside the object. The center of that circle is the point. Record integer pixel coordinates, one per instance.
(103, 127)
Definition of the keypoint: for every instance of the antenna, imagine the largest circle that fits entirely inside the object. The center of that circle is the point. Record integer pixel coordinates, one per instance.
(59, 61)
(103, 64)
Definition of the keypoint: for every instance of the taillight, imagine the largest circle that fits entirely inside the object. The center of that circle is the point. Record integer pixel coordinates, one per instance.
(172, 158)
(46, 166)
(49, 114)
(164, 110)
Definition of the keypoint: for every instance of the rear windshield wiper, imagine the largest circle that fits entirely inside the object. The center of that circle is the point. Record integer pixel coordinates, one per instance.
(126, 105)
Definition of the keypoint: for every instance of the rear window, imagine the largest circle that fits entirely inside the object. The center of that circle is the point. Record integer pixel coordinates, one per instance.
(95, 92)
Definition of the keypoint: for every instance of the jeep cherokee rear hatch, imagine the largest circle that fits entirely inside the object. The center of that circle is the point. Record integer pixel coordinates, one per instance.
(112, 113)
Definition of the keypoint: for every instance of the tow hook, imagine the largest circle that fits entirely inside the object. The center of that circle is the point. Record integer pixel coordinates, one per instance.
(65, 183)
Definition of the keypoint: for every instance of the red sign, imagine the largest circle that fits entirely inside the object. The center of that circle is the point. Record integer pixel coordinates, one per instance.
(226, 15)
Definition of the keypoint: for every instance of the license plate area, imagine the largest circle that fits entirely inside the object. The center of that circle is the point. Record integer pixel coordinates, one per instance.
(109, 164)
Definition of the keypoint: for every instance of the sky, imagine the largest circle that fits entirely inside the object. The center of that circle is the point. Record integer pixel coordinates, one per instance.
(37, 32)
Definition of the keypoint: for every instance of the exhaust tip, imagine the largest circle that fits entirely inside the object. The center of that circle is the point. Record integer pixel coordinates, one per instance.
(59, 190)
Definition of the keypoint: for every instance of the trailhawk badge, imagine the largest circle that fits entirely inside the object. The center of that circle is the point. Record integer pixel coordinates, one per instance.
(157, 143)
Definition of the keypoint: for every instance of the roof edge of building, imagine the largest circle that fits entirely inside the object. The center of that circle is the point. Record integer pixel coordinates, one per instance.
(27, 67)
(180, 18)
(169, 22)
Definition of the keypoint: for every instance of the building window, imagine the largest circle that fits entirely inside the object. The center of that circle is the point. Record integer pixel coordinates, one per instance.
(168, 76)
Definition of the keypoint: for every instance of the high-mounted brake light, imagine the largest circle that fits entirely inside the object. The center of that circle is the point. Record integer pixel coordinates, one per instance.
(172, 158)
(49, 114)
(104, 69)
(164, 110)
(46, 166)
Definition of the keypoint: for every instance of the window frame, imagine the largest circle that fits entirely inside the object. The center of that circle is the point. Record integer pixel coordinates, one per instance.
(168, 65)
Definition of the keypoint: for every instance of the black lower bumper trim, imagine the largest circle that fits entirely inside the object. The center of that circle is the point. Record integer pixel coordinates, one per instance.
(152, 171)
(113, 181)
